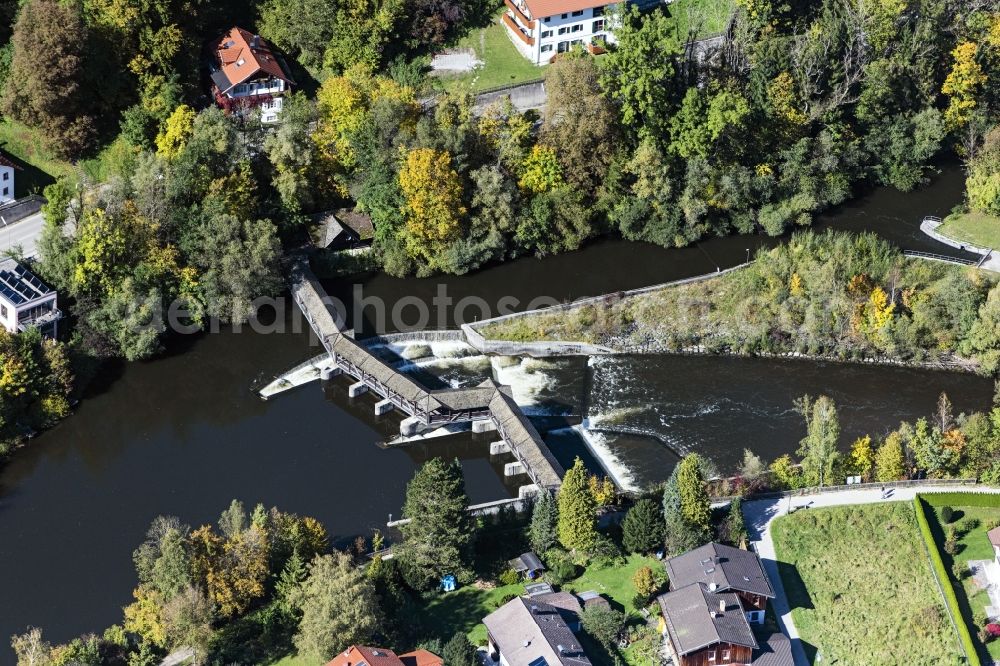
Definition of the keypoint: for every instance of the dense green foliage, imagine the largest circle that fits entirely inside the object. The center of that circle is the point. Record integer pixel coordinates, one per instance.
(643, 527)
(438, 538)
(577, 523)
(36, 382)
(543, 531)
(681, 534)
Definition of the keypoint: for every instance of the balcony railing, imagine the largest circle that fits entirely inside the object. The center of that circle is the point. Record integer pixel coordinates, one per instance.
(517, 30)
(40, 320)
(519, 15)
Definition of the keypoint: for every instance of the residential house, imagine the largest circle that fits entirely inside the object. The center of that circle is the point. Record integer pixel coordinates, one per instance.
(7, 169)
(359, 655)
(725, 569)
(706, 628)
(26, 301)
(541, 29)
(246, 74)
(529, 632)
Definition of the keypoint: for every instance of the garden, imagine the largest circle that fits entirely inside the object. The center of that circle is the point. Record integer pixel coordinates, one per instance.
(957, 526)
(975, 228)
(863, 570)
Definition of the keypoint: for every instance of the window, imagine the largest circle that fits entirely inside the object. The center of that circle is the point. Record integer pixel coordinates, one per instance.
(547, 19)
(562, 30)
(598, 11)
(597, 26)
(578, 13)
(6, 191)
(725, 655)
(563, 47)
(546, 33)
(6, 175)
(565, 15)
(3, 311)
(576, 28)
(711, 655)
(546, 48)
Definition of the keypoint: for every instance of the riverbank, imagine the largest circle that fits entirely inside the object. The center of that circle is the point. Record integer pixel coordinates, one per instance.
(830, 297)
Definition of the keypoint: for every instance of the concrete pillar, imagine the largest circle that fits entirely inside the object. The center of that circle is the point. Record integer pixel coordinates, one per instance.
(483, 425)
(409, 426)
(498, 448)
(524, 492)
(326, 374)
(513, 469)
(383, 407)
(354, 390)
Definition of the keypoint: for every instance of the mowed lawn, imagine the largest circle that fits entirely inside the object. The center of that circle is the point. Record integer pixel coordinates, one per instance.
(975, 228)
(861, 587)
(502, 63)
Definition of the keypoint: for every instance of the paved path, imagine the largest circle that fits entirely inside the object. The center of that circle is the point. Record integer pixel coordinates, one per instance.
(760, 513)
(24, 233)
(992, 263)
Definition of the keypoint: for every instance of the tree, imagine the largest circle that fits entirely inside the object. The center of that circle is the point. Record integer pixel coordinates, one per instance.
(300, 28)
(338, 606)
(291, 151)
(233, 520)
(144, 616)
(961, 84)
(577, 510)
(459, 651)
(363, 29)
(171, 571)
(861, 459)
(540, 170)
(237, 577)
(440, 533)
(889, 459)
(603, 624)
(31, 649)
(187, 618)
(48, 66)
(176, 131)
(681, 536)
(642, 529)
(579, 121)
(705, 119)
(644, 583)
(432, 208)
(819, 447)
(695, 507)
(544, 521)
(983, 181)
(735, 527)
(637, 72)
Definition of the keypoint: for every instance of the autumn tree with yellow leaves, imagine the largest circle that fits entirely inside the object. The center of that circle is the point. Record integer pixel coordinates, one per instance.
(433, 210)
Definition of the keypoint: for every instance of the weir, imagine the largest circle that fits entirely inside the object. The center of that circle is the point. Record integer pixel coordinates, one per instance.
(488, 406)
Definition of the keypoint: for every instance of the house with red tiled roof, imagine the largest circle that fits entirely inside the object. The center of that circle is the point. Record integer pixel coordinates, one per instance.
(359, 655)
(542, 29)
(248, 74)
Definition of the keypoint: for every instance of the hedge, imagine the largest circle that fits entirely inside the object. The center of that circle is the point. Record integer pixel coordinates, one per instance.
(944, 580)
(961, 499)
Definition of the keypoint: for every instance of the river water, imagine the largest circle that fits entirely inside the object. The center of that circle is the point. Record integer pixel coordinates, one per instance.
(184, 434)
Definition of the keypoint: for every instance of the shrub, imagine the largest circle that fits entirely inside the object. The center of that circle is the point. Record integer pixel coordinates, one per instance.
(993, 630)
(951, 546)
(561, 571)
(959, 570)
(645, 584)
(946, 514)
(603, 624)
(509, 577)
(979, 618)
(506, 598)
(969, 524)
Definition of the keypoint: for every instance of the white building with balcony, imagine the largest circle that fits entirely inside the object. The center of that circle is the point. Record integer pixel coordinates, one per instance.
(542, 29)
(26, 301)
(247, 74)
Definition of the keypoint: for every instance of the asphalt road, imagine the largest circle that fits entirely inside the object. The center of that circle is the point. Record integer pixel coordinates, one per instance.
(24, 232)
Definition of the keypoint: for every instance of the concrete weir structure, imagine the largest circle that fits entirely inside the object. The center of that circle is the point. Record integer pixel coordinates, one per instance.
(488, 406)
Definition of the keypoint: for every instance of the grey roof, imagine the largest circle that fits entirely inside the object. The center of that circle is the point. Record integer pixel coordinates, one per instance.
(590, 599)
(567, 604)
(527, 631)
(522, 435)
(695, 619)
(18, 285)
(535, 589)
(527, 562)
(775, 650)
(727, 567)
(220, 80)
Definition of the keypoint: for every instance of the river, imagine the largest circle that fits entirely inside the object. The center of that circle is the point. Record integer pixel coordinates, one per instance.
(184, 434)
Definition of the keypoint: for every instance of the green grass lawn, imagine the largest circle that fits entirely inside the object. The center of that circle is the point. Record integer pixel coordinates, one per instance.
(972, 545)
(861, 586)
(975, 228)
(502, 63)
(39, 166)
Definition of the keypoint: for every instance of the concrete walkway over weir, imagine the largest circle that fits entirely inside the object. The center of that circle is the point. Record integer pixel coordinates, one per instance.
(759, 515)
(487, 406)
